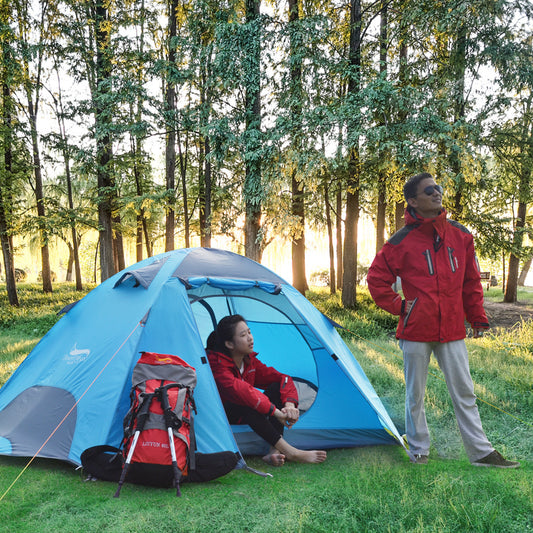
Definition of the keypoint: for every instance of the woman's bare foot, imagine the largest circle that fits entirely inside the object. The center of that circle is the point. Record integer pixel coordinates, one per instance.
(300, 456)
(308, 456)
(274, 459)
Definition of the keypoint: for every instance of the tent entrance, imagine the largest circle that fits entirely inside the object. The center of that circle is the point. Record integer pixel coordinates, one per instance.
(281, 337)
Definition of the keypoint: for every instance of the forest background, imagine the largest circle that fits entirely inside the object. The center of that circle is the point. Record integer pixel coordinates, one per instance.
(135, 127)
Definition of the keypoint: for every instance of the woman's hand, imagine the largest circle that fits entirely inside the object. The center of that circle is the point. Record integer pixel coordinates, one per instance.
(281, 416)
(292, 413)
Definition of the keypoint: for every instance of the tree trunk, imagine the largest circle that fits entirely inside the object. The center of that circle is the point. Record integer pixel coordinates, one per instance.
(170, 146)
(299, 279)
(206, 233)
(7, 249)
(338, 198)
(70, 263)
(525, 270)
(253, 188)
(331, 247)
(349, 285)
(404, 79)
(524, 194)
(381, 212)
(183, 160)
(139, 173)
(201, 187)
(518, 236)
(458, 58)
(74, 236)
(205, 184)
(399, 212)
(139, 239)
(118, 245)
(104, 142)
(73, 246)
(338, 238)
(11, 285)
(39, 197)
(504, 276)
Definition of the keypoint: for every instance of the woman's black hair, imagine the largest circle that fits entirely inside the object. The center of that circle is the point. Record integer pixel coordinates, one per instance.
(211, 342)
(226, 331)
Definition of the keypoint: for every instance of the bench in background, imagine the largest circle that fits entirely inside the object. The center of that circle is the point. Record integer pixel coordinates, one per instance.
(485, 278)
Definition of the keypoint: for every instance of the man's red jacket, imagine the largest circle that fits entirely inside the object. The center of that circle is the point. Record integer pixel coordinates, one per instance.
(436, 261)
(241, 389)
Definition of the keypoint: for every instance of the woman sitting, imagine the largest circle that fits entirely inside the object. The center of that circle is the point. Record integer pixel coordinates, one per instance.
(237, 372)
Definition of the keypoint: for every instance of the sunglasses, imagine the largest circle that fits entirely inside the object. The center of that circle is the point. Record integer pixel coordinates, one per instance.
(430, 189)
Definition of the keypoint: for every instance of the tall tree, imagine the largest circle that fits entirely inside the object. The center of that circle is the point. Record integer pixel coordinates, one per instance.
(66, 153)
(32, 89)
(384, 156)
(170, 114)
(522, 139)
(253, 187)
(104, 143)
(349, 284)
(206, 82)
(7, 70)
(458, 63)
(296, 96)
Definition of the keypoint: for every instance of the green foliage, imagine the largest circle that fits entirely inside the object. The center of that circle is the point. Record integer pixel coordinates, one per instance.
(419, 106)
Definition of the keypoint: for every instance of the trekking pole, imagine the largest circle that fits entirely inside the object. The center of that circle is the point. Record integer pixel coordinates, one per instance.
(171, 421)
(141, 420)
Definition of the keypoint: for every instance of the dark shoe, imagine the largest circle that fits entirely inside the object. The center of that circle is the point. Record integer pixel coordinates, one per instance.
(495, 459)
(421, 459)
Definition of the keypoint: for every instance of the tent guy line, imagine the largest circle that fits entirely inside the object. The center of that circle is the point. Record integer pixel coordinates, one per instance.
(70, 411)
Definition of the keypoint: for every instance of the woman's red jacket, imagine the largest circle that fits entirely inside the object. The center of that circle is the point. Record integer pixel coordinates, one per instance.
(241, 389)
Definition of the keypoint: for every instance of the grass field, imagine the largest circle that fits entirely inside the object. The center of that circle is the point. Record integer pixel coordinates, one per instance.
(369, 489)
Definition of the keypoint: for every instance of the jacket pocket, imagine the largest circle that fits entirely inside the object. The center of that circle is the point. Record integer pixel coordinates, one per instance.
(409, 313)
(452, 259)
(427, 255)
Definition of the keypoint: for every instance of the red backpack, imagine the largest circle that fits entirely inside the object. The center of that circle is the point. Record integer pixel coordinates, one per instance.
(158, 443)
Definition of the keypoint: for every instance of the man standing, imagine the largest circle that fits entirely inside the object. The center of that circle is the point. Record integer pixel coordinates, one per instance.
(436, 261)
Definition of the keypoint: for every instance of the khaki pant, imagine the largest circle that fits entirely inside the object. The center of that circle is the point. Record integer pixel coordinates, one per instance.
(452, 358)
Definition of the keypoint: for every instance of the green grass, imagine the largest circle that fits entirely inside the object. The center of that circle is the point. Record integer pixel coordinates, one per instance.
(369, 489)
(523, 294)
(22, 327)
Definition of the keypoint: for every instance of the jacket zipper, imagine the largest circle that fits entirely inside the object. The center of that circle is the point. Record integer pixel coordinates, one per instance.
(453, 266)
(406, 319)
(427, 253)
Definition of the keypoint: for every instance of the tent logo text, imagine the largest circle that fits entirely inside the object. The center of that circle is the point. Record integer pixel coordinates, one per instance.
(76, 356)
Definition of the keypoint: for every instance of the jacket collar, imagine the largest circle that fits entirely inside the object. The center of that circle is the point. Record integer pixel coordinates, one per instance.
(229, 361)
(412, 218)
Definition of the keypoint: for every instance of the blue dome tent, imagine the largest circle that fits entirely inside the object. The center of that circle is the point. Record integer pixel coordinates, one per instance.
(72, 391)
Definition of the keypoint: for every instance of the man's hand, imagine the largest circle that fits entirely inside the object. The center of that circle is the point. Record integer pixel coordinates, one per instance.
(408, 305)
(478, 328)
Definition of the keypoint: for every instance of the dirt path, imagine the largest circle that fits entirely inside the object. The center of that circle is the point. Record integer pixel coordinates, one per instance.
(503, 315)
